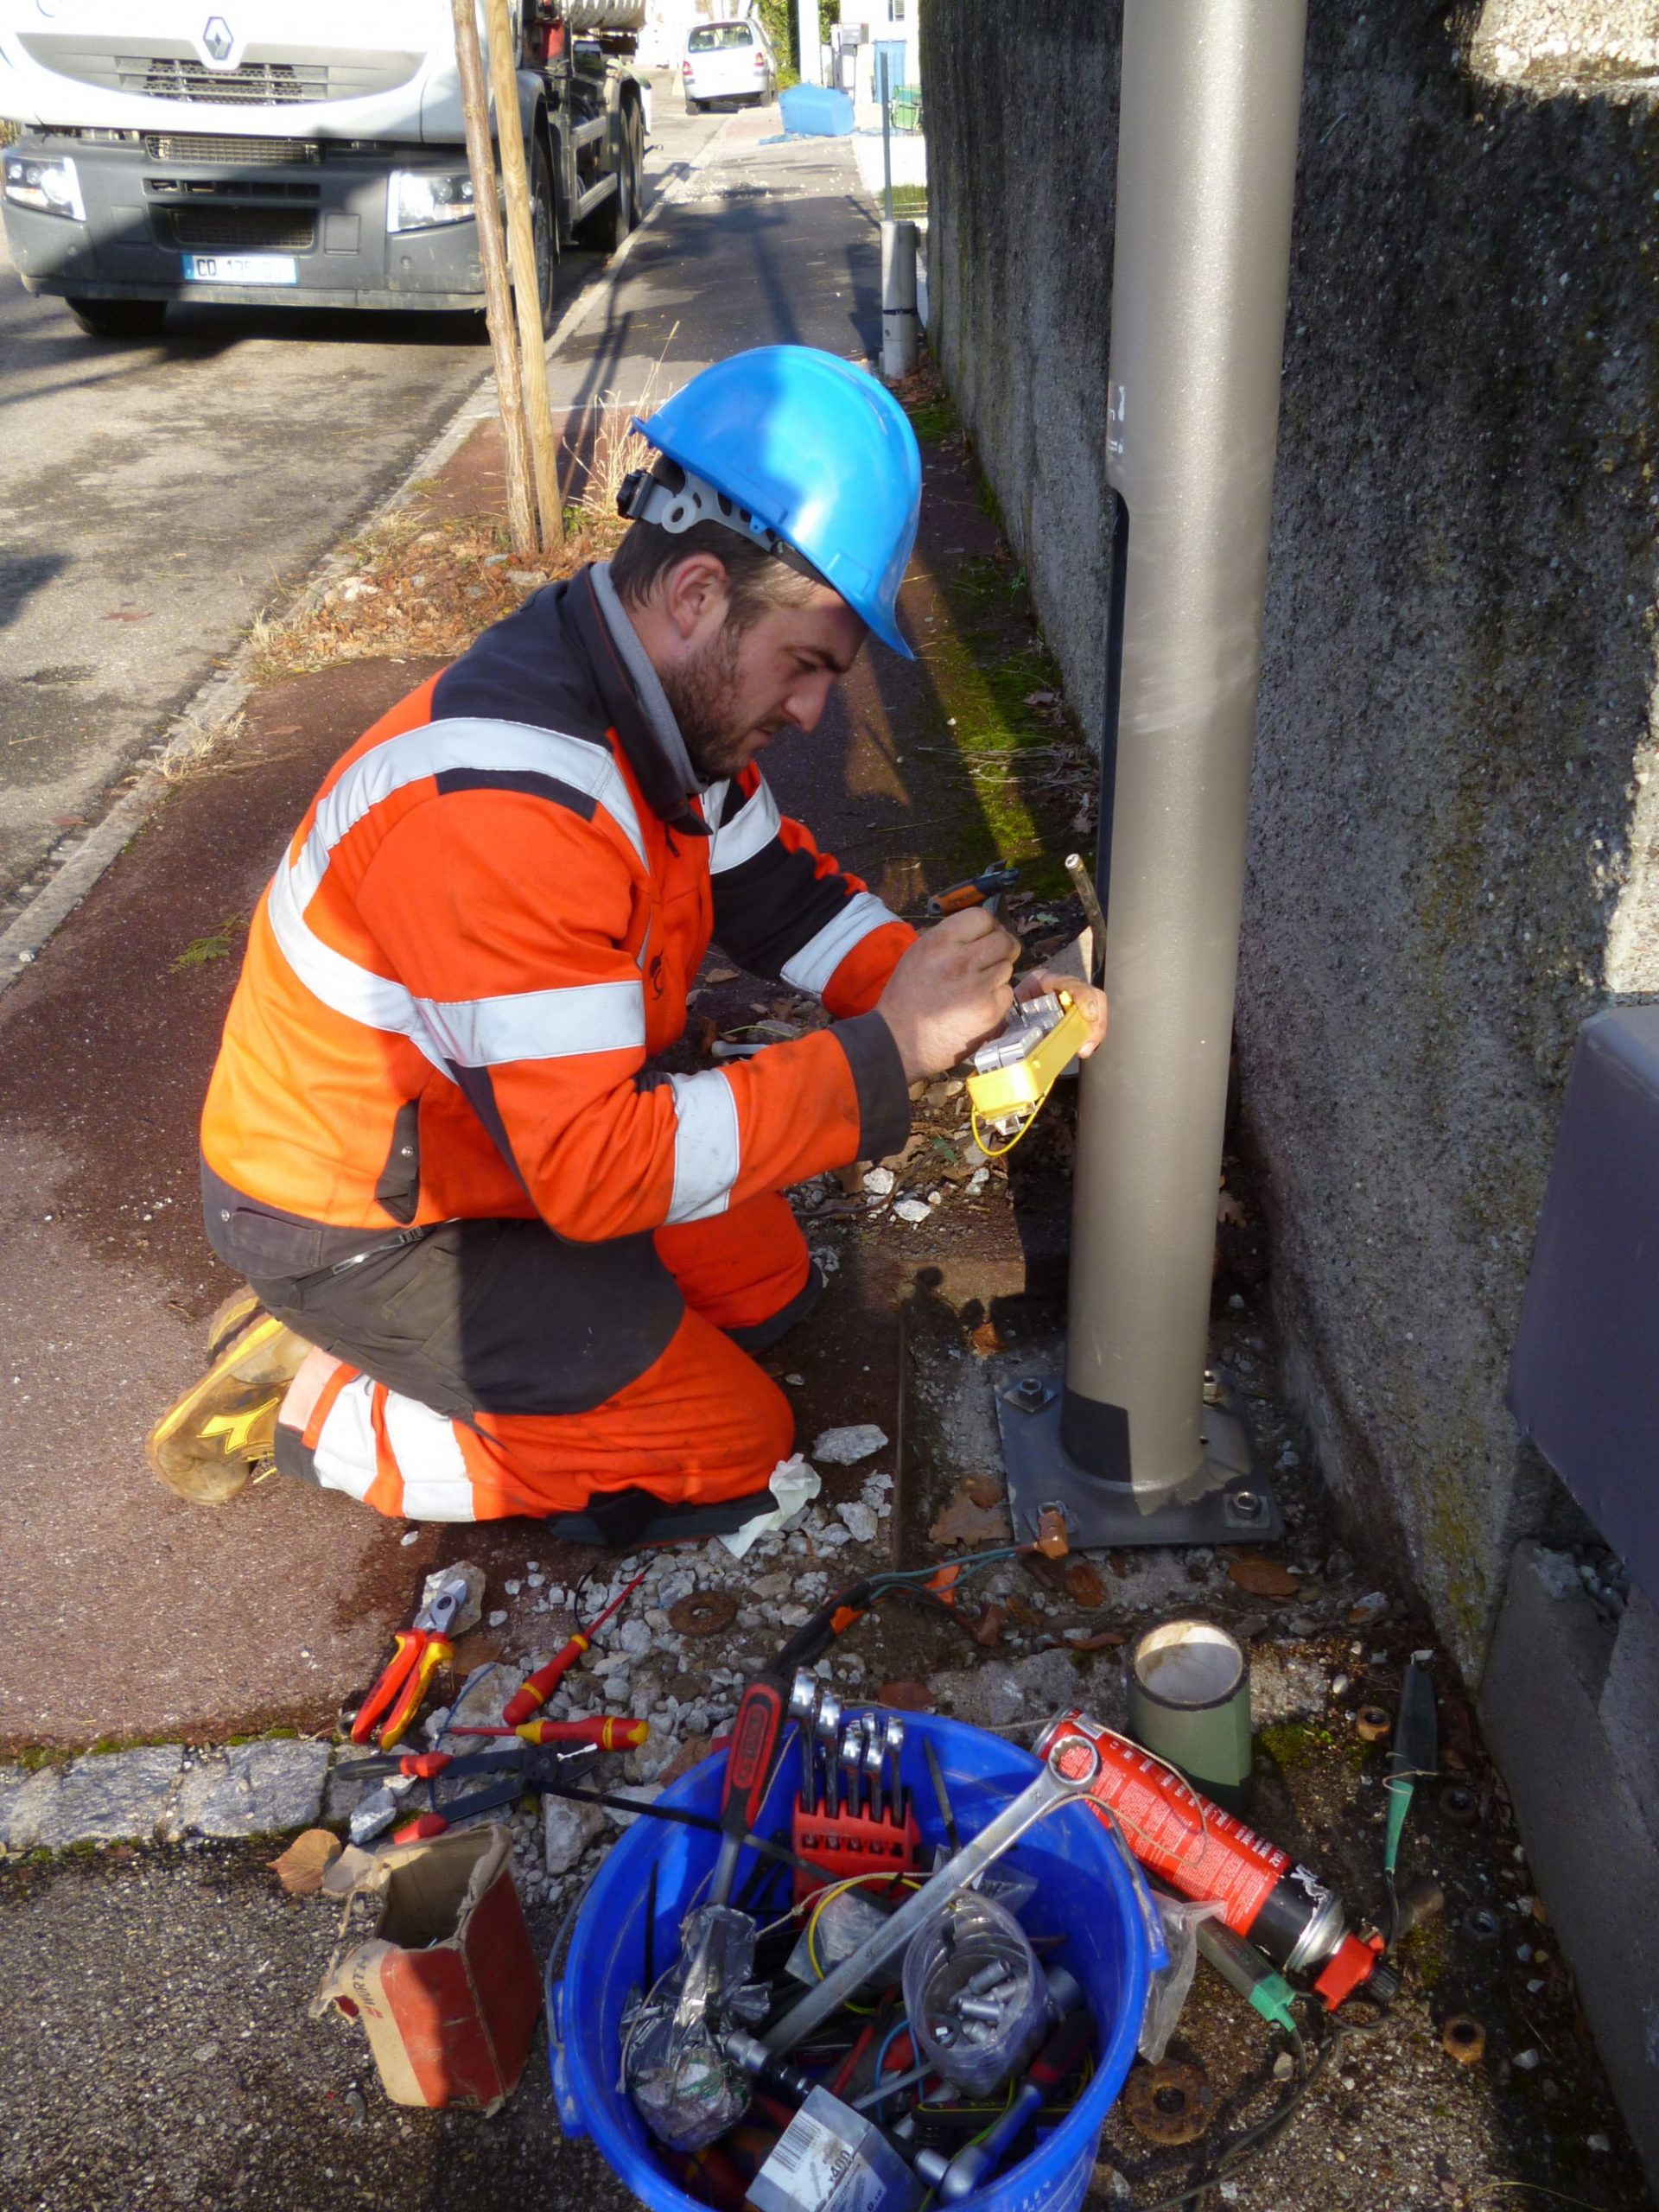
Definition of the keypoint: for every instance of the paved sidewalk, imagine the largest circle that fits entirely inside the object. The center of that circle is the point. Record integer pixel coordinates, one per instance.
(124, 1612)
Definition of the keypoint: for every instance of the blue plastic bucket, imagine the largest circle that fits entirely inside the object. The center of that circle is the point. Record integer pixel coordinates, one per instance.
(1084, 1894)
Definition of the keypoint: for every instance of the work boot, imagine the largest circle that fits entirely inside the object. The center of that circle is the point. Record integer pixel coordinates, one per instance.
(207, 1444)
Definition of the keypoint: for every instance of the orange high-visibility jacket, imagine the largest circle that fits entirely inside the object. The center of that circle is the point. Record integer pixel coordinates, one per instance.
(483, 931)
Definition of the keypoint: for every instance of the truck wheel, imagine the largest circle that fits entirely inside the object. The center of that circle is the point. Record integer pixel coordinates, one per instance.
(544, 235)
(118, 318)
(606, 229)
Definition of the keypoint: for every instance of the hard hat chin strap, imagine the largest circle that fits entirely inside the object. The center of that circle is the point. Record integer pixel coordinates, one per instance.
(675, 500)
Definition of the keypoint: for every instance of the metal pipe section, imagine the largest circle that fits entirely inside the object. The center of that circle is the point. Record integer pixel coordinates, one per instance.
(898, 300)
(1205, 179)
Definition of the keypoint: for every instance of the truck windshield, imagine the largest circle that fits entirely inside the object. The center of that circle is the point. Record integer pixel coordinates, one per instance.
(718, 35)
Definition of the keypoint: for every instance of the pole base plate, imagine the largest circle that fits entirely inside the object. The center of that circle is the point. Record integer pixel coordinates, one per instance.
(1236, 1503)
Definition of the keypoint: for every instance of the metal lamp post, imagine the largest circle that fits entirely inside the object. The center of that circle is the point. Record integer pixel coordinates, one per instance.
(1141, 1445)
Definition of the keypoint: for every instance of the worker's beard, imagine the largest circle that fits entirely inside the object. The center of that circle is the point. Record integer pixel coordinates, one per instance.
(702, 692)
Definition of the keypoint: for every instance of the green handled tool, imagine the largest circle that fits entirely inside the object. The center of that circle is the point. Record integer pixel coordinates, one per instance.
(1413, 1756)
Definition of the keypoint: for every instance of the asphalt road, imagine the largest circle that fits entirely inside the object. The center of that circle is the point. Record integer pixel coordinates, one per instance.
(158, 495)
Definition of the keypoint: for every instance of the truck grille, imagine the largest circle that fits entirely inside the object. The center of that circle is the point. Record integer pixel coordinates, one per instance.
(261, 153)
(255, 83)
(269, 76)
(243, 230)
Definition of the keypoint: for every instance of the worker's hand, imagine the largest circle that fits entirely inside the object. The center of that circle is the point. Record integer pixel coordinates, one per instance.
(949, 992)
(1088, 1000)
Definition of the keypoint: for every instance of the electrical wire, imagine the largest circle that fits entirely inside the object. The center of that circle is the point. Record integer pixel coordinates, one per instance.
(901, 2026)
(826, 1896)
(1256, 2138)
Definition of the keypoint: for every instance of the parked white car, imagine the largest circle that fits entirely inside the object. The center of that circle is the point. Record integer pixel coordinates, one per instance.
(728, 61)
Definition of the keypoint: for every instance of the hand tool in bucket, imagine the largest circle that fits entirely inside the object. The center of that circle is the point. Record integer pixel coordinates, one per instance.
(1071, 1766)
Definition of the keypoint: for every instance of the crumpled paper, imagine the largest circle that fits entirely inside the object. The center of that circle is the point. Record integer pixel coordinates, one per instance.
(794, 1484)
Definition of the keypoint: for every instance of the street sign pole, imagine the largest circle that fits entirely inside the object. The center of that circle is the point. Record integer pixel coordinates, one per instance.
(1142, 1445)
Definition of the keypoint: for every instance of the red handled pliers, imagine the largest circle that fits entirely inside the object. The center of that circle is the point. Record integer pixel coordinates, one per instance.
(421, 1649)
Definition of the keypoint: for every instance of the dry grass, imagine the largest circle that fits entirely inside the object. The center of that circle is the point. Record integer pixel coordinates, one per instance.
(617, 449)
(418, 584)
(416, 588)
(192, 741)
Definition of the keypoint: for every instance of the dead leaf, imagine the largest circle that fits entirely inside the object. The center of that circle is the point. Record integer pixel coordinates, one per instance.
(1026, 1615)
(987, 1631)
(1262, 1577)
(285, 729)
(721, 976)
(851, 1180)
(982, 1489)
(1082, 1584)
(906, 1697)
(307, 1858)
(964, 1522)
(1103, 1639)
(121, 615)
(984, 1339)
(1228, 1211)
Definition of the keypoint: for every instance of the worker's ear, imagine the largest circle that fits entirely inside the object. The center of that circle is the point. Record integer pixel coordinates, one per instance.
(695, 596)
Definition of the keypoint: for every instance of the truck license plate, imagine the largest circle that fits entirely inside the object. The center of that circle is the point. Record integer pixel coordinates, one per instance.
(241, 268)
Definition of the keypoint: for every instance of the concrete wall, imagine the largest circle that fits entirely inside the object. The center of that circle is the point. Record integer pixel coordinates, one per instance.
(1455, 836)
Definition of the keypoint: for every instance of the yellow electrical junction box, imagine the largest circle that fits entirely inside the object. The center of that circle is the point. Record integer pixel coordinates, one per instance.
(1015, 1072)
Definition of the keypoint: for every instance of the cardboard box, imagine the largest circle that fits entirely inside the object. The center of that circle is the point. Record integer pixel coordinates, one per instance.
(447, 1987)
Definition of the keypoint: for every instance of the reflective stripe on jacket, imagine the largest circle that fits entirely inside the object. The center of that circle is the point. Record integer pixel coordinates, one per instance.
(485, 928)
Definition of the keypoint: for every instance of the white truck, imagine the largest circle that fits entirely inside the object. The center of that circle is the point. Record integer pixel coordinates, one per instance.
(308, 152)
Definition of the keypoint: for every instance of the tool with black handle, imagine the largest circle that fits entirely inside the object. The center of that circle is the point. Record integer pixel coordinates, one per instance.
(749, 1759)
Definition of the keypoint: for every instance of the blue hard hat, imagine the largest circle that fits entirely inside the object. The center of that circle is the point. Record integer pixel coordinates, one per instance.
(813, 449)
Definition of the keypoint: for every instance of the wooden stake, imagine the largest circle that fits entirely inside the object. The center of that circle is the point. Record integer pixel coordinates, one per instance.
(498, 312)
(521, 256)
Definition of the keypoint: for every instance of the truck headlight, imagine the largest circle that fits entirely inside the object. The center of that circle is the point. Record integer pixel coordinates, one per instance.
(419, 199)
(50, 187)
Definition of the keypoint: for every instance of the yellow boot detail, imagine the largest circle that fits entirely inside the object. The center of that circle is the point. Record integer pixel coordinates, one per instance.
(206, 1445)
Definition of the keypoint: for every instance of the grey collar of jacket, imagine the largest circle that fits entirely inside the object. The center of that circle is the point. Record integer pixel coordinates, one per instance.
(653, 700)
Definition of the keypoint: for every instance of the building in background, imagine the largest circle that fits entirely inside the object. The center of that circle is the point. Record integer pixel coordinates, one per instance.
(869, 32)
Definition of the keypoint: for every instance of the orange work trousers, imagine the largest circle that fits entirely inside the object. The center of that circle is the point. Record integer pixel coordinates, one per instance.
(701, 1426)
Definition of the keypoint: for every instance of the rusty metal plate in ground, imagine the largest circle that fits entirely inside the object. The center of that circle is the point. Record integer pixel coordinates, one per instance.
(1170, 2103)
(705, 1612)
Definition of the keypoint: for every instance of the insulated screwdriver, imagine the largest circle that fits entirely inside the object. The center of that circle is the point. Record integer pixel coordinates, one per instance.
(536, 1691)
(611, 1734)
